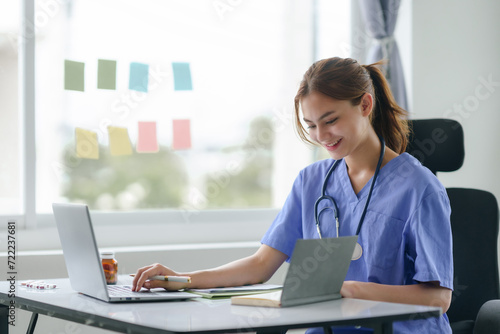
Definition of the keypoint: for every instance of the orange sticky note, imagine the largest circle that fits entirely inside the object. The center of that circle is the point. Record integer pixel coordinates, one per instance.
(86, 144)
(147, 142)
(119, 141)
(182, 134)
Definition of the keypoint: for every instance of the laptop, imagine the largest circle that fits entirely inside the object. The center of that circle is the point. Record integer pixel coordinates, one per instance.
(317, 270)
(83, 263)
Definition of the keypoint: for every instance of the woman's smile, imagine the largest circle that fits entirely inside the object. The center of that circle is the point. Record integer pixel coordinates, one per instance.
(333, 146)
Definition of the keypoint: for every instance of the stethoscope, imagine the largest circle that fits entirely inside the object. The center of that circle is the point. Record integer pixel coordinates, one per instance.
(358, 251)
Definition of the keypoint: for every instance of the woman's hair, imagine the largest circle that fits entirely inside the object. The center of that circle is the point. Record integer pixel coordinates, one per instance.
(346, 79)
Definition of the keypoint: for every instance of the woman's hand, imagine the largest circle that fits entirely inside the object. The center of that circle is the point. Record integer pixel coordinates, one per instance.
(143, 274)
(348, 289)
(253, 269)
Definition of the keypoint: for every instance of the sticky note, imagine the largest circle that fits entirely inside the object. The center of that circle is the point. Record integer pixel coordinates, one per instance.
(74, 75)
(147, 142)
(182, 134)
(106, 74)
(119, 141)
(139, 76)
(87, 146)
(182, 76)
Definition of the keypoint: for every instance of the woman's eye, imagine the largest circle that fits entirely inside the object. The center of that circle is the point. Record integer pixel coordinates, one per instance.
(311, 126)
(332, 121)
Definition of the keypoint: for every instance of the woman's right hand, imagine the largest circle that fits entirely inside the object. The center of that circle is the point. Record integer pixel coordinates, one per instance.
(143, 274)
(253, 269)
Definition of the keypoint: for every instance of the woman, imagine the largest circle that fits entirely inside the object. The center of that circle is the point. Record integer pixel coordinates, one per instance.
(405, 251)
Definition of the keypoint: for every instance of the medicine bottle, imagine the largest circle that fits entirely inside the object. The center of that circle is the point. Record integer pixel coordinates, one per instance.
(110, 266)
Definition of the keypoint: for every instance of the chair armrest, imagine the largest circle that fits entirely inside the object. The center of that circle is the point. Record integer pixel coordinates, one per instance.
(488, 318)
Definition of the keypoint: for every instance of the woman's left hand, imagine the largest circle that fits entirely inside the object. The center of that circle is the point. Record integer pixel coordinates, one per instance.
(348, 289)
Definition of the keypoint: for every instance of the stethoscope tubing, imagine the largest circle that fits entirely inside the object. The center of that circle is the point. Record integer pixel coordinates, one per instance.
(377, 170)
(330, 198)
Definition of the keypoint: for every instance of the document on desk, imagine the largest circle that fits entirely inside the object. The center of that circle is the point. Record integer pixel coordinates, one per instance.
(236, 290)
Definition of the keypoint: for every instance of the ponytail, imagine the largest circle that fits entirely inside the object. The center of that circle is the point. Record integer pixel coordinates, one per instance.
(388, 119)
(346, 79)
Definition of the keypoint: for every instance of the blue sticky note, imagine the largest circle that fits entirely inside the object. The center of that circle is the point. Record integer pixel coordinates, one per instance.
(139, 76)
(182, 76)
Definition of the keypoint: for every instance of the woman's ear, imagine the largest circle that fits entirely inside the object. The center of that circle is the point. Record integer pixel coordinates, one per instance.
(367, 104)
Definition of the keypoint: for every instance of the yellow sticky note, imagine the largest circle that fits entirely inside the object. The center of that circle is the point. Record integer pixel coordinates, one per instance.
(119, 141)
(86, 144)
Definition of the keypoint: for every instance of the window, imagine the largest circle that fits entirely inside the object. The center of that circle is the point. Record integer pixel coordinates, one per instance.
(245, 60)
(10, 185)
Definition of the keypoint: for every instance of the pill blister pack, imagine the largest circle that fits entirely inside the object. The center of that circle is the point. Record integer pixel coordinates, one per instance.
(39, 285)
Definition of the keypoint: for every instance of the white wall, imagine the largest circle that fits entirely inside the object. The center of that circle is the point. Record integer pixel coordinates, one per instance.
(455, 46)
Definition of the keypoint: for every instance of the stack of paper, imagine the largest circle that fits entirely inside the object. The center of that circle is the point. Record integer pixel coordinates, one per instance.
(236, 291)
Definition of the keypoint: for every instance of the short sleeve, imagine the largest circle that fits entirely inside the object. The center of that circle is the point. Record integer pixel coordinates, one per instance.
(430, 240)
(287, 226)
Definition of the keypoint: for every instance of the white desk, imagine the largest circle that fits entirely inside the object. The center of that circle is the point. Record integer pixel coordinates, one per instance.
(203, 315)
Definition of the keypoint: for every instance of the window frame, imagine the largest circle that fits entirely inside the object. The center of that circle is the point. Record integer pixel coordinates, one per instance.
(26, 44)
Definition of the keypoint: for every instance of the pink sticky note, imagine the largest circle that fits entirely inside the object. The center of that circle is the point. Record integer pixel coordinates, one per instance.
(182, 134)
(147, 142)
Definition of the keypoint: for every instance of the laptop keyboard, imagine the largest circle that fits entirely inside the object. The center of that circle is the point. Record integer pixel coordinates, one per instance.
(122, 291)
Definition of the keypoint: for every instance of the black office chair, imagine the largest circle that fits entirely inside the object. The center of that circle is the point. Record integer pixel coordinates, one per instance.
(439, 145)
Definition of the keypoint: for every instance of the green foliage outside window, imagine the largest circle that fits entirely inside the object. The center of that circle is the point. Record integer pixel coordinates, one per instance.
(137, 181)
(159, 180)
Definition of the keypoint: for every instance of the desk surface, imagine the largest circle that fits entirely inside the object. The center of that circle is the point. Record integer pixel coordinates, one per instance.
(203, 315)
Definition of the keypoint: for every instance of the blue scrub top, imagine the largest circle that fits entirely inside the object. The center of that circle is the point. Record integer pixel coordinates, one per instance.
(406, 234)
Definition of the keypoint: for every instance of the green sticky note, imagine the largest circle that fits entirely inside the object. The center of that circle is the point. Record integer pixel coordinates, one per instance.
(74, 75)
(182, 76)
(106, 74)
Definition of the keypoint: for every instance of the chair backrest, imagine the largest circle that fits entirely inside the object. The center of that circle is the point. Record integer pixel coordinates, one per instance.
(439, 145)
(474, 222)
